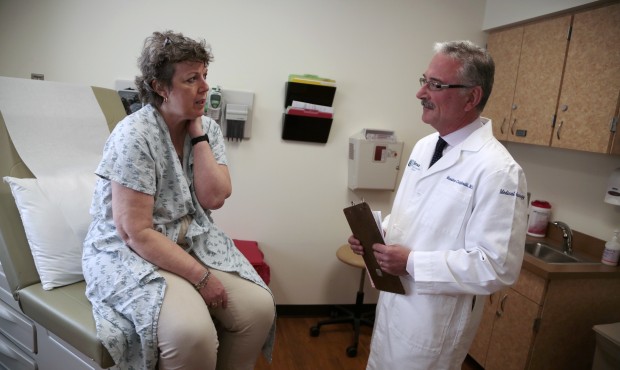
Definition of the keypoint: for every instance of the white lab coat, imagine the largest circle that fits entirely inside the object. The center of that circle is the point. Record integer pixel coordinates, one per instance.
(465, 221)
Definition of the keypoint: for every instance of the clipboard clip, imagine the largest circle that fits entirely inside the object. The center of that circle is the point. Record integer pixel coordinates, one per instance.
(362, 201)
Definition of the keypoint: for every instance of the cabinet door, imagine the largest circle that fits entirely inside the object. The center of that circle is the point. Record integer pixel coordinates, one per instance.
(513, 332)
(591, 84)
(480, 345)
(538, 80)
(505, 48)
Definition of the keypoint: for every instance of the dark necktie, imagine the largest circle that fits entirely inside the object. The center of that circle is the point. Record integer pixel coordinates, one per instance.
(441, 145)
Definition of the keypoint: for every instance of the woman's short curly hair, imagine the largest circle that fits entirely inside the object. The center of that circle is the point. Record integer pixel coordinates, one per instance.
(161, 52)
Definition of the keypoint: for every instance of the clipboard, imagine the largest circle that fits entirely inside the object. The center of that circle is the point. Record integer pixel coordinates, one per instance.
(364, 228)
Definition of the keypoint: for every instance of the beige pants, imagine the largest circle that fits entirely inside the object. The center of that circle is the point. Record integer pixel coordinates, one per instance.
(192, 336)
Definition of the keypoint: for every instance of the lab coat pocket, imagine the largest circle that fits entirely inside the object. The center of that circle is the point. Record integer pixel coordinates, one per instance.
(423, 321)
(445, 207)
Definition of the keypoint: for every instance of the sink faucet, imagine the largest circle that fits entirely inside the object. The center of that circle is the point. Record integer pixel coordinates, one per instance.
(567, 234)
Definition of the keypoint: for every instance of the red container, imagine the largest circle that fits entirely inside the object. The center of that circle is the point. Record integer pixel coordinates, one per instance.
(540, 213)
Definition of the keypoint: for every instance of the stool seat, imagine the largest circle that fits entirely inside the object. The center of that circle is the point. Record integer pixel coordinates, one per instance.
(346, 255)
(355, 317)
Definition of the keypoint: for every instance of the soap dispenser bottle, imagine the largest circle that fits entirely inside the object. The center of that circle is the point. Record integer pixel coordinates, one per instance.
(612, 250)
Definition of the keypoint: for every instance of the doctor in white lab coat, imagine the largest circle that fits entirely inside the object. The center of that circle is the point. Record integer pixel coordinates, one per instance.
(456, 231)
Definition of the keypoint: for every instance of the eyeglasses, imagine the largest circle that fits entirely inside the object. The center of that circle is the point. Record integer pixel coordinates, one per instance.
(436, 86)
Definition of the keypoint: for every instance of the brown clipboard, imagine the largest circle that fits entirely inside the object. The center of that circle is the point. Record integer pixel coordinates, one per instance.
(365, 229)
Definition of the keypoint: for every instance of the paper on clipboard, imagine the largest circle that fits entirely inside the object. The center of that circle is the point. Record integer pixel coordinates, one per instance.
(367, 230)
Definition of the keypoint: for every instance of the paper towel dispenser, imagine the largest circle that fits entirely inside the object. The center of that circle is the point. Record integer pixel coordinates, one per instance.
(374, 160)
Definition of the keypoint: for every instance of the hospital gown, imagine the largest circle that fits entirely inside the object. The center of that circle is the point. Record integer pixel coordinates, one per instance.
(125, 290)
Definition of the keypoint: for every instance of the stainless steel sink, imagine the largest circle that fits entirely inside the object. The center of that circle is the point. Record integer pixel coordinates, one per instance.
(548, 254)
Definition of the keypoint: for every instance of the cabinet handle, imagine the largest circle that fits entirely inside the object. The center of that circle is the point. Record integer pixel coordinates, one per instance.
(557, 133)
(501, 128)
(512, 127)
(500, 311)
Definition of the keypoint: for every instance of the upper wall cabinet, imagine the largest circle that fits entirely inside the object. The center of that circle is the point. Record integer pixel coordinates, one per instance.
(558, 84)
(505, 47)
(591, 86)
(526, 89)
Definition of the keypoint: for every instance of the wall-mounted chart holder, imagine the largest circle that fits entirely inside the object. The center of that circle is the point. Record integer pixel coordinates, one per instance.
(303, 128)
(306, 127)
(309, 93)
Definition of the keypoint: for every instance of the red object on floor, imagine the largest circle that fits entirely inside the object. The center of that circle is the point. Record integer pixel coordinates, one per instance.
(252, 252)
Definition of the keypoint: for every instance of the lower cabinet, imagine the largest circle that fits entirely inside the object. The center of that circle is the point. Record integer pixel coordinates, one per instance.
(513, 332)
(509, 323)
(545, 324)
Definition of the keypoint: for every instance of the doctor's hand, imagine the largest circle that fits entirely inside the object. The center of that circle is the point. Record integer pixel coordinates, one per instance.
(392, 258)
(356, 247)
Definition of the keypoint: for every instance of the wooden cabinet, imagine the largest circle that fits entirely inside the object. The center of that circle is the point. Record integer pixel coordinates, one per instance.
(513, 332)
(480, 345)
(557, 81)
(539, 79)
(591, 86)
(529, 62)
(505, 48)
(545, 323)
(510, 318)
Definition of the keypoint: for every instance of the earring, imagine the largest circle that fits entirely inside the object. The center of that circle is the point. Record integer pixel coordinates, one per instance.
(165, 99)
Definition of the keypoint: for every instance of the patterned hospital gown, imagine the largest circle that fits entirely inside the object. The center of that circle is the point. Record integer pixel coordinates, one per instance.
(125, 290)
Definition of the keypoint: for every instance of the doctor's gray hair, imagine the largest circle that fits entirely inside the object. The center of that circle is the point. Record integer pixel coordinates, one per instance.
(161, 52)
(477, 66)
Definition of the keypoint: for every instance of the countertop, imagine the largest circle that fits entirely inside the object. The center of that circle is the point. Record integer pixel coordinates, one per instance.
(585, 247)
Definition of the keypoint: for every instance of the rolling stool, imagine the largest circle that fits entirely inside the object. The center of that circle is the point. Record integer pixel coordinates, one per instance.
(355, 317)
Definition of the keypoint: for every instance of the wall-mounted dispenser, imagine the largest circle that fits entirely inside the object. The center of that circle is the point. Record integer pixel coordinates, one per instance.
(374, 160)
(612, 196)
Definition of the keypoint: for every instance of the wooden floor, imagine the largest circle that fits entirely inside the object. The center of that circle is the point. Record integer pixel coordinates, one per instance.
(295, 349)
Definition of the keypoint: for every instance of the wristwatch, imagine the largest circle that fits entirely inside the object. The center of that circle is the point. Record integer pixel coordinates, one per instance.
(198, 139)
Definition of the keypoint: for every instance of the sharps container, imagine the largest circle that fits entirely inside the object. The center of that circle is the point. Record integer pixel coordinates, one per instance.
(607, 352)
(540, 212)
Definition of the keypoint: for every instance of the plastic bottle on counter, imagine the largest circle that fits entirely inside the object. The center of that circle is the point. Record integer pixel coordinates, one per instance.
(612, 250)
(540, 212)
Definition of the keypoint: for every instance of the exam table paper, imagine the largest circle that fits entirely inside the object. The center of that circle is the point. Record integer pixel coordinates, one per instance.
(59, 131)
(55, 127)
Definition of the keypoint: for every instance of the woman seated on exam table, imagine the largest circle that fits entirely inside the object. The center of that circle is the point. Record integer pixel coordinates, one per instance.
(169, 289)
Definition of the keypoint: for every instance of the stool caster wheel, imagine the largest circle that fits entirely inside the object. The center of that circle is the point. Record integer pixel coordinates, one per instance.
(352, 351)
(314, 331)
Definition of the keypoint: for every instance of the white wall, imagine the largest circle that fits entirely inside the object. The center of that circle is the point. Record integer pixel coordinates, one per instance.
(287, 195)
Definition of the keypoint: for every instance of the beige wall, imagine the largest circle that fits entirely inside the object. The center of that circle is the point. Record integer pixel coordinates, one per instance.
(289, 196)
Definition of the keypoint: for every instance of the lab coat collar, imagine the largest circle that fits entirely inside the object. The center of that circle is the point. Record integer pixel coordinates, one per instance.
(469, 138)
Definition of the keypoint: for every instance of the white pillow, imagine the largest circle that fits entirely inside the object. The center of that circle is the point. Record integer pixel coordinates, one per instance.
(55, 214)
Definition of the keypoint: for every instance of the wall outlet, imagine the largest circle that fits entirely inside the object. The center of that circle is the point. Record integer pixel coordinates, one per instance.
(37, 76)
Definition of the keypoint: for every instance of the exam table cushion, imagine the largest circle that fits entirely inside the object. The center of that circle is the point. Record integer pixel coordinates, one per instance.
(67, 313)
